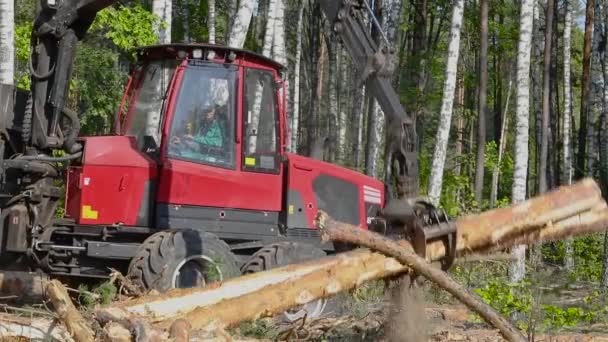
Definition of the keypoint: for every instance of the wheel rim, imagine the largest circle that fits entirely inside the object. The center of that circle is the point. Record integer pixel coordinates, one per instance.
(196, 271)
(312, 310)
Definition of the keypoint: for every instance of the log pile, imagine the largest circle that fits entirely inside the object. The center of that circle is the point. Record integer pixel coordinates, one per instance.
(566, 212)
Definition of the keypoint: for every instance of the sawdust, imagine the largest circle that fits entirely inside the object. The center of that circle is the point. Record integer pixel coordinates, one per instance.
(406, 319)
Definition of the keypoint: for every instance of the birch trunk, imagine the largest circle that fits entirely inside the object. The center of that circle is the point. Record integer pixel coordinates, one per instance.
(295, 118)
(375, 130)
(162, 9)
(449, 86)
(360, 119)
(342, 121)
(332, 121)
(501, 148)
(279, 53)
(518, 268)
(266, 51)
(7, 41)
(566, 134)
(544, 150)
(232, 7)
(240, 26)
(211, 21)
(483, 89)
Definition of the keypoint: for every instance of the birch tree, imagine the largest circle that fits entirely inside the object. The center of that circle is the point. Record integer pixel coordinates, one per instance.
(295, 112)
(518, 267)
(483, 90)
(240, 24)
(7, 42)
(211, 21)
(332, 49)
(232, 8)
(566, 126)
(162, 9)
(449, 86)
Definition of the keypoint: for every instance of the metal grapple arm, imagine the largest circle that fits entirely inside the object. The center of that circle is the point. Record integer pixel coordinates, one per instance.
(59, 26)
(375, 63)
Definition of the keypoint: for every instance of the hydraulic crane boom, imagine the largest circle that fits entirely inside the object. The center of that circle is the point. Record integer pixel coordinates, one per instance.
(57, 29)
(375, 63)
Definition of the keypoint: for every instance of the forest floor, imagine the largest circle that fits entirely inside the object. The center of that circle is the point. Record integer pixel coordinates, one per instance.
(553, 303)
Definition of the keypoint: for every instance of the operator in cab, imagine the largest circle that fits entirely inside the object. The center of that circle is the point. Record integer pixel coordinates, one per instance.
(210, 131)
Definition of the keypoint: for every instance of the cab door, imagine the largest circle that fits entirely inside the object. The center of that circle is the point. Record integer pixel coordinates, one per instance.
(237, 193)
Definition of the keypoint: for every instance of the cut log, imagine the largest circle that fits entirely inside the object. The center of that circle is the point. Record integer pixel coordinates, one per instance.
(35, 329)
(568, 211)
(67, 312)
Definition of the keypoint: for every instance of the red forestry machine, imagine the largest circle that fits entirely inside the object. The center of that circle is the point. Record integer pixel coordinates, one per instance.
(168, 205)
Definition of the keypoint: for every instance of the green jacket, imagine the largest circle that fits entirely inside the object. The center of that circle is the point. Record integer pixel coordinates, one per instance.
(212, 136)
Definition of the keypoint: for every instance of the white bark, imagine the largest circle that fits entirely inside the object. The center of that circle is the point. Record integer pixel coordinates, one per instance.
(518, 267)
(162, 9)
(240, 26)
(279, 53)
(295, 117)
(232, 6)
(266, 51)
(333, 95)
(567, 151)
(270, 24)
(360, 112)
(374, 138)
(449, 86)
(211, 21)
(342, 124)
(7, 42)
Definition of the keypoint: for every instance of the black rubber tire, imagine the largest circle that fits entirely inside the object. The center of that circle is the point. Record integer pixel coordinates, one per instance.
(281, 254)
(161, 254)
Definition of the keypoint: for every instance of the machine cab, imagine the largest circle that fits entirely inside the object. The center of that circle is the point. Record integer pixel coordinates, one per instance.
(200, 130)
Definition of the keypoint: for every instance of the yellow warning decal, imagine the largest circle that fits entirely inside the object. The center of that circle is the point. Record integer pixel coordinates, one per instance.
(290, 209)
(88, 213)
(249, 161)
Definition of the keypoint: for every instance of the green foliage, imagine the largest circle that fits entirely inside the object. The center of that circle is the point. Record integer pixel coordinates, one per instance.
(126, 27)
(103, 294)
(588, 254)
(259, 329)
(566, 317)
(507, 298)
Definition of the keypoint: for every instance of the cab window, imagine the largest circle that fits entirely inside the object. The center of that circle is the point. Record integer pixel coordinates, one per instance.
(261, 119)
(148, 98)
(202, 130)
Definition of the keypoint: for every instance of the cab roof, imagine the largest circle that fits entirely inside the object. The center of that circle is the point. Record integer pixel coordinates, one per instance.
(218, 49)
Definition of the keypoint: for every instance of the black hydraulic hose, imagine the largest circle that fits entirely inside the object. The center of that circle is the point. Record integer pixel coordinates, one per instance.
(72, 132)
(31, 166)
(50, 159)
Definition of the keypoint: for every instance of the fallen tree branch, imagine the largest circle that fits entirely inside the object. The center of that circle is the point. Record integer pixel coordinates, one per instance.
(336, 231)
(68, 314)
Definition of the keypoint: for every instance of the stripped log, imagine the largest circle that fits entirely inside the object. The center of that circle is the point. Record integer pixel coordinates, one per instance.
(68, 314)
(568, 211)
